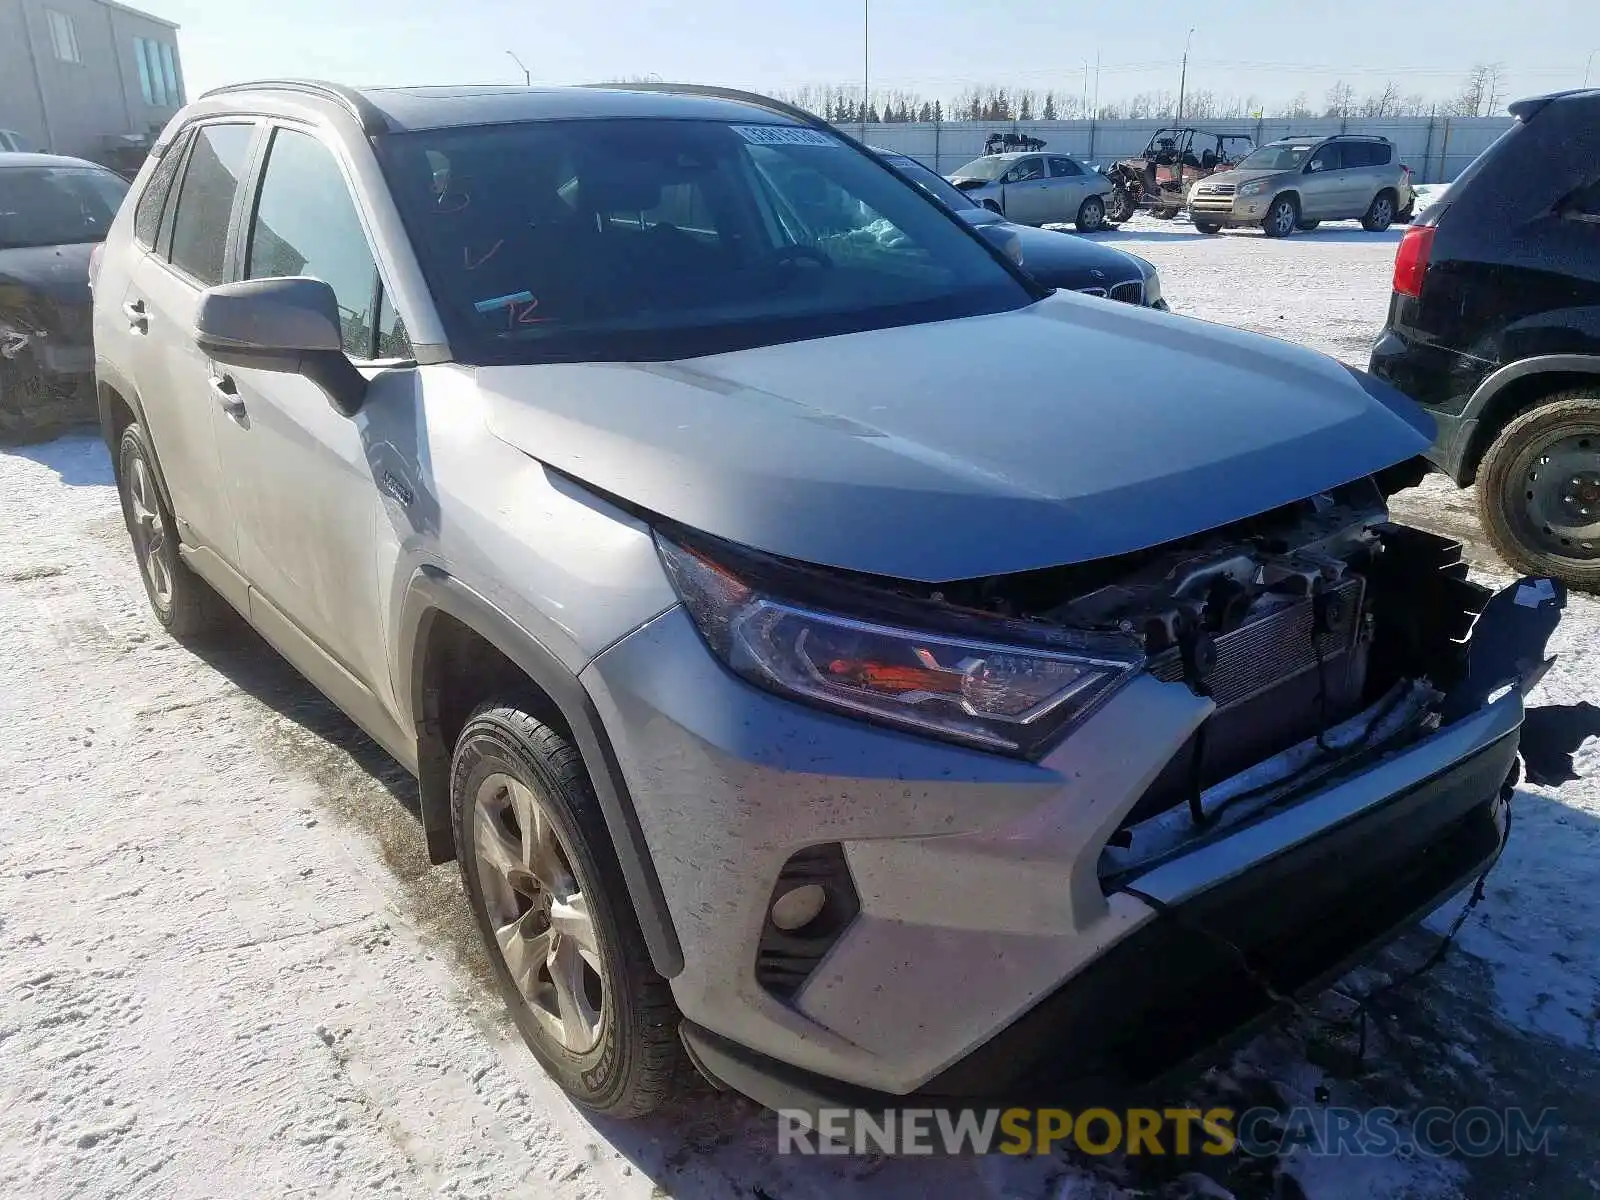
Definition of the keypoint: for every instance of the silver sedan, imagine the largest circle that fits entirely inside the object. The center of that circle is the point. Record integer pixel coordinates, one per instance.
(1037, 189)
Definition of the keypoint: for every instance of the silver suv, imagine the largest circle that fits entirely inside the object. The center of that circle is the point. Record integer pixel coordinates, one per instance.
(1297, 183)
(806, 664)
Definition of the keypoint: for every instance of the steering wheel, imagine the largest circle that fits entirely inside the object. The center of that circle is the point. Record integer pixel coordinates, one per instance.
(789, 254)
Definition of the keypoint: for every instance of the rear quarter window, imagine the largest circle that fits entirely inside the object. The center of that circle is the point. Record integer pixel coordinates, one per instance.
(153, 200)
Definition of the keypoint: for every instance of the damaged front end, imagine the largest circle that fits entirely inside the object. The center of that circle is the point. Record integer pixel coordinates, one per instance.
(46, 363)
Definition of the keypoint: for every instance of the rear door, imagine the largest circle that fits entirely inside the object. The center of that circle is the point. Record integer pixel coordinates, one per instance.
(1367, 165)
(173, 377)
(299, 474)
(1070, 185)
(1027, 191)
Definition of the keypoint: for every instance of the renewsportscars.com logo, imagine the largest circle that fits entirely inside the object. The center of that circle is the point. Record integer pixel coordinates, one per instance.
(1258, 1132)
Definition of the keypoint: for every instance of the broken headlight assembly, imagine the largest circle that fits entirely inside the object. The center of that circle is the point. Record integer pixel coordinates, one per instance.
(1011, 698)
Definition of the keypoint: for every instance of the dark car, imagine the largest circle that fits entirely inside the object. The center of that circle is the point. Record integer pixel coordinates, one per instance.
(53, 212)
(1058, 260)
(1494, 327)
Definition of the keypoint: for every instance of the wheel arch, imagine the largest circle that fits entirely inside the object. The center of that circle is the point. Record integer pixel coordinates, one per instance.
(455, 650)
(1513, 390)
(119, 406)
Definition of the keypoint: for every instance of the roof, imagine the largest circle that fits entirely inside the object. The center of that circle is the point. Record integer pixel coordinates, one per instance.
(400, 109)
(12, 158)
(140, 13)
(1525, 109)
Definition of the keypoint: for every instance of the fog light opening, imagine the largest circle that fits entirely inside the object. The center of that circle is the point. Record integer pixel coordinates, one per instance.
(798, 907)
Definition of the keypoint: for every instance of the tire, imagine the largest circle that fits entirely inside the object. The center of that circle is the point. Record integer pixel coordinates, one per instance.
(1281, 218)
(1164, 214)
(1406, 215)
(611, 1038)
(1208, 227)
(1380, 213)
(1523, 502)
(184, 603)
(1091, 215)
(1122, 206)
(1307, 226)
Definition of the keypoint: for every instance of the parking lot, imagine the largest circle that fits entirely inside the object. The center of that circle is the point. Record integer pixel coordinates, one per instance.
(226, 969)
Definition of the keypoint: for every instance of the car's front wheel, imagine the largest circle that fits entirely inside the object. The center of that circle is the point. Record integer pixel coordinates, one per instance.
(545, 887)
(1281, 218)
(1091, 215)
(1539, 490)
(1380, 213)
(184, 603)
(1208, 227)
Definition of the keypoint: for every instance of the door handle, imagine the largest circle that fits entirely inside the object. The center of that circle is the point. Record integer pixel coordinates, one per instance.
(138, 318)
(227, 394)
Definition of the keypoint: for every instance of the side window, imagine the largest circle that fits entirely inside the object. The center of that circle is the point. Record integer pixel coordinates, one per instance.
(1382, 153)
(1326, 159)
(1028, 168)
(205, 200)
(305, 223)
(1064, 168)
(147, 216)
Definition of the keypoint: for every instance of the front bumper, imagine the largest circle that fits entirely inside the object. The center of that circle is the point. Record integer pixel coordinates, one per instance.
(985, 959)
(1229, 211)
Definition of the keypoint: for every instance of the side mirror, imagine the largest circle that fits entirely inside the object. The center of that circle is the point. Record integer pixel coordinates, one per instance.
(289, 325)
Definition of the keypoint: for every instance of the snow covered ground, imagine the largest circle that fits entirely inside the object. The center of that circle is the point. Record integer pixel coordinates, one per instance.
(226, 970)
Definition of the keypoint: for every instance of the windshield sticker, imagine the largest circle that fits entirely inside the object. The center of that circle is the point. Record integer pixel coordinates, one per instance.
(784, 135)
(488, 306)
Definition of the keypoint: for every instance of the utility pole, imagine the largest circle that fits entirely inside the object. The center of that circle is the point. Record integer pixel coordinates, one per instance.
(1085, 108)
(1586, 67)
(1183, 77)
(527, 79)
(1095, 111)
(866, 62)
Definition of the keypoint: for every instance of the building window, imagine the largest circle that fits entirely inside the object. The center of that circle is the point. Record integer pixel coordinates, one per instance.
(158, 72)
(63, 36)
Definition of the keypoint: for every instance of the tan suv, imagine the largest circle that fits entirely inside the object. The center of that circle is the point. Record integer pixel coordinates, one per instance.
(1299, 182)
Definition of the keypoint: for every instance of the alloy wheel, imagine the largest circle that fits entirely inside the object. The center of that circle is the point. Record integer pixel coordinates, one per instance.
(542, 926)
(149, 533)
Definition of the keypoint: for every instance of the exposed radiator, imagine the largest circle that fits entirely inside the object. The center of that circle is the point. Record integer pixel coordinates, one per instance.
(1268, 691)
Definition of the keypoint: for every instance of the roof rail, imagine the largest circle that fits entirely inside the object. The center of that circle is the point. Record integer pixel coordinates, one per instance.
(723, 93)
(372, 120)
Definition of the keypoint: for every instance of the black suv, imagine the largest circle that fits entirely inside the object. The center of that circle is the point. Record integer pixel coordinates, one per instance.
(1494, 328)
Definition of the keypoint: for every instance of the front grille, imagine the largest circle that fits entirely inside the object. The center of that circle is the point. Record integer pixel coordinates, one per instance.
(1215, 189)
(1092, 291)
(1128, 293)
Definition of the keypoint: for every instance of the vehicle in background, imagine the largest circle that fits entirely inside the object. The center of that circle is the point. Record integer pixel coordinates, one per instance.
(1493, 329)
(1057, 260)
(53, 212)
(798, 618)
(1037, 189)
(1159, 178)
(1297, 183)
(1006, 143)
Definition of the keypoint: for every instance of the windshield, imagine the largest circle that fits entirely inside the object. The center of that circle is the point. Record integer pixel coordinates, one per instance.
(57, 206)
(1275, 158)
(652, 239)
(991, 167)
(937, 186)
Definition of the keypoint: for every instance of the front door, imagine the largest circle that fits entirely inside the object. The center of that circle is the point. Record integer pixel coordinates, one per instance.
(298, 471)
(1326, 192)
(159, 306)
(1027, 191)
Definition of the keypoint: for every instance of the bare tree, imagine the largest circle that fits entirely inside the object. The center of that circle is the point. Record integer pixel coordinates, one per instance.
(1050, 113)
(1341, 101)
(1298, 109)
(1480, 94)
(1382, 104)
(1200, 105)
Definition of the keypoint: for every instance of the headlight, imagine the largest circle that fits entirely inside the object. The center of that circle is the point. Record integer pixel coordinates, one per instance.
(1152, 280)
(1005, 697)
(1253, 189)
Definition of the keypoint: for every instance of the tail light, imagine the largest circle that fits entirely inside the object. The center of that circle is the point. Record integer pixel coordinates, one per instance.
(1411, 261)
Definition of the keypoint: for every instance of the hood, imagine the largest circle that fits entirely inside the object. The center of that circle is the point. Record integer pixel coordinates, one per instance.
(1053, 434)
(1066, 260)
(1238, 177)
(58, 273)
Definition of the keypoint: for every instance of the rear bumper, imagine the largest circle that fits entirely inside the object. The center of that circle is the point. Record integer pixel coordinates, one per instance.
(1442, 382)
(1393, 844)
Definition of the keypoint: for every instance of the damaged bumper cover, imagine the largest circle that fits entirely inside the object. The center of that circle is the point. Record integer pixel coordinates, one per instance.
(980, 905)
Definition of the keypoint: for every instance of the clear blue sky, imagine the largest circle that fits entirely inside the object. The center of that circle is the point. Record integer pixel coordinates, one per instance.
(1268, 48)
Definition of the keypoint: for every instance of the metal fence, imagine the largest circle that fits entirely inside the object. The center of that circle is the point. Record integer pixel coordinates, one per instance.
(1436, 149)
